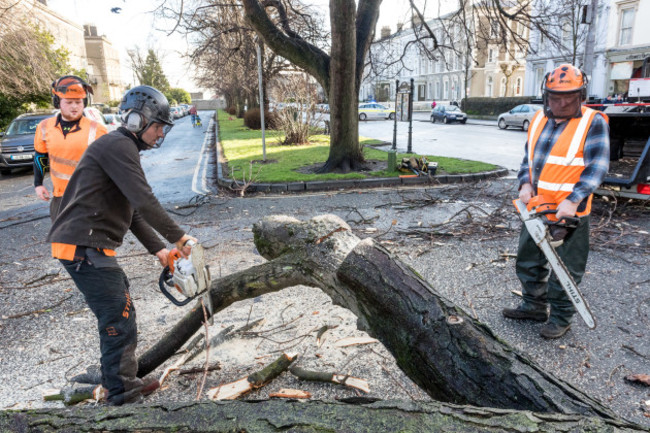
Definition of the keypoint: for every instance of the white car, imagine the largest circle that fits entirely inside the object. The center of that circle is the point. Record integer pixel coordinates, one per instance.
(520, 116)
(372, 110)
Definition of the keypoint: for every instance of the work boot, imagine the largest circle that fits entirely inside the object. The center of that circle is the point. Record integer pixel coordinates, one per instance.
(526, 313)
(149, 385)
(552, 330)
(93, 375)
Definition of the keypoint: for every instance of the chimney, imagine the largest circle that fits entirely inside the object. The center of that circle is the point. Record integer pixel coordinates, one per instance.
(400, 26)
(415, 20)
(385, 32)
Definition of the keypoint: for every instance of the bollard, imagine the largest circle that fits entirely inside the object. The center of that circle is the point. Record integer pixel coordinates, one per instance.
(392, 160)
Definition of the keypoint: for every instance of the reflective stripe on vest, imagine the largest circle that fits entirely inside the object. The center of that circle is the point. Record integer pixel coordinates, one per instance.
(565, 162)
(61, 168)
(92, 132)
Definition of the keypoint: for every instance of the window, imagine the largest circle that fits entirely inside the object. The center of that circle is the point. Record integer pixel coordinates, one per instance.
(421, 92)
(518, 87)
(490, 58)
(503, 87)
(488, 87)
(567, 32)
(446, 95)
(539, 78)
(437, 89)
(627, 23)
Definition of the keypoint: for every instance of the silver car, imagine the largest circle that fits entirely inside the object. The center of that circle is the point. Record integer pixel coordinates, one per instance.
(520, 116)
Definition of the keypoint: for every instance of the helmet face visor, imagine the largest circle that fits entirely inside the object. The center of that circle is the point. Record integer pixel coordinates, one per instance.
(165, 131)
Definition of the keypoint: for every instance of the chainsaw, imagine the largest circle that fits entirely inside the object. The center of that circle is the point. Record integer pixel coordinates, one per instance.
(548, 233)
(190, 277)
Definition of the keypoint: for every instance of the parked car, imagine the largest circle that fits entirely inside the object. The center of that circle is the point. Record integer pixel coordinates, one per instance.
(447, 114)
(175, 112)
(94, 114)
(375, 111)
(112, 122)
(17, 143)
(520, 116)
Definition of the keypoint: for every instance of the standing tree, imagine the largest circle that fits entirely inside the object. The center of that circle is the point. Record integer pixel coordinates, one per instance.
(148, 70)
(29, 62)
(339, 73)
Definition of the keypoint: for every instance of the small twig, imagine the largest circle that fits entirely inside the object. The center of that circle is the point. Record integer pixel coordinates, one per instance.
(194, 370)
(41, 311)
(471, 305)
(609, 381)
(319, 240)
(397, 382)
(633, 350)
(207, 350)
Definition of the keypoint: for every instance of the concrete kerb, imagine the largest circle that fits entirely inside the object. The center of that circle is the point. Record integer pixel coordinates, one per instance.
(330, 185)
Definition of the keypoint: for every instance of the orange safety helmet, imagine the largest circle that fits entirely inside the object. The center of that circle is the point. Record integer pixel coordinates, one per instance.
(564, 79)
(71, 87)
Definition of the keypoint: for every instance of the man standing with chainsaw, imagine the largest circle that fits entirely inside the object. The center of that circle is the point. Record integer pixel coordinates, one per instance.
(566, 159)
(107, 195)
(60, 141)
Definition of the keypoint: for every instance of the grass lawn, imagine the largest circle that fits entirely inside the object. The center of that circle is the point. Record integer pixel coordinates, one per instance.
(242, 148)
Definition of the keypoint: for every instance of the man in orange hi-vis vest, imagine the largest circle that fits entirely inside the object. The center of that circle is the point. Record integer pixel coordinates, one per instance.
(60, 141)
(566, 159)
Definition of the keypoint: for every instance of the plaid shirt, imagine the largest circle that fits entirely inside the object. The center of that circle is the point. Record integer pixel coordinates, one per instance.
(596, 157)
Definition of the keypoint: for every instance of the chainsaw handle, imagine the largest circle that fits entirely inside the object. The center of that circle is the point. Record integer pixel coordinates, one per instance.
(163, 283)
(568, 222)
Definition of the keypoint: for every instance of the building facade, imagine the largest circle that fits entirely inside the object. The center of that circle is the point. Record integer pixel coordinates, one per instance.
(628, 44)
(87, 50)
(104, 61)
(462, 65)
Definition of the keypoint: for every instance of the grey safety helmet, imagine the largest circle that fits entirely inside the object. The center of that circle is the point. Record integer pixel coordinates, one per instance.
(142, 106)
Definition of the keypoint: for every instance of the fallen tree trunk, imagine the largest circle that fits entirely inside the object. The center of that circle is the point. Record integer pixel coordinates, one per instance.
(453, 357)
(301, 416)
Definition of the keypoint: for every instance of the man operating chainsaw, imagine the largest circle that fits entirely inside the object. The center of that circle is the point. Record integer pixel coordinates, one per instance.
(566, 159)
(107, 195)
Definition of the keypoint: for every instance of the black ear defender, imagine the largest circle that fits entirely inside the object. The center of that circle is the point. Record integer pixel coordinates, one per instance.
(58, 92)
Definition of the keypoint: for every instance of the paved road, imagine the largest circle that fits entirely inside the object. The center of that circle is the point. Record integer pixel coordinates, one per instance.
(175, 172)
(476, 140)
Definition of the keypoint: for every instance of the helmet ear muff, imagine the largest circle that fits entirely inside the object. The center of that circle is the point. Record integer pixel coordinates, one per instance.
(134, 121)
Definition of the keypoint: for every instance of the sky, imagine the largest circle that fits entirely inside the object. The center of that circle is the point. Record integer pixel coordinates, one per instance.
(135, 26)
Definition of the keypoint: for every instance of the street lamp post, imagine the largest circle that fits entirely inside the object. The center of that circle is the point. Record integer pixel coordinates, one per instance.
(259, 78)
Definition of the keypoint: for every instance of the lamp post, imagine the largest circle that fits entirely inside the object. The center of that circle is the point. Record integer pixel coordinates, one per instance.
(258, 45)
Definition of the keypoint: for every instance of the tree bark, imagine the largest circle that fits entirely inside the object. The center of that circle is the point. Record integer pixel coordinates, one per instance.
(345, 153)
(453, 357)
(301, 416)
(340, 73)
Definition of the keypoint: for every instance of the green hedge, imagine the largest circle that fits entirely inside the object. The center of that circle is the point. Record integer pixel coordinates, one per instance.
(492, 106)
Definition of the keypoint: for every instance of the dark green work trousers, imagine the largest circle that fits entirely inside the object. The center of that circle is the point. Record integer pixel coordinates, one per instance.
(540, 285)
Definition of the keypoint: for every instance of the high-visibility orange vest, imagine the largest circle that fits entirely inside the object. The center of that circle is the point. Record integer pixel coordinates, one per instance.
(565, 162)
(64, 152)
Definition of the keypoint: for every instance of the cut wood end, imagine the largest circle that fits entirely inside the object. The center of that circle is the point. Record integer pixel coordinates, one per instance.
(230, 391)
(517, 292)
(352, 382)
(454, 320)
(291, 356)
(355, 341)
(290, 393)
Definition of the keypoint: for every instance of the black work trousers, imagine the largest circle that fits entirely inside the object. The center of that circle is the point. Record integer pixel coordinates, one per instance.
(106, 290)
(540, 285)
